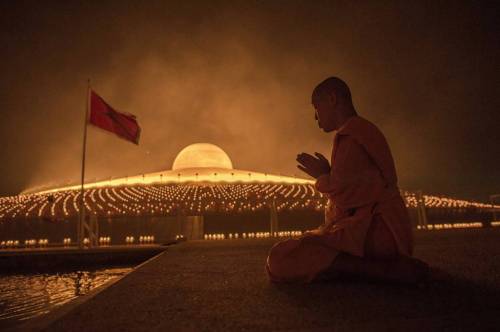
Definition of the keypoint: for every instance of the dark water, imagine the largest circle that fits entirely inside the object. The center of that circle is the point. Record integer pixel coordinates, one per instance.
(25, 296)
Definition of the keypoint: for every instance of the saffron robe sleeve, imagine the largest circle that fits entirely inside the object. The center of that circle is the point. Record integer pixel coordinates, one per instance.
(362, 183)
(354, 180)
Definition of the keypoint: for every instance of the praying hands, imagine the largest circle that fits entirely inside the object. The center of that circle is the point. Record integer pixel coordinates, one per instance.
(313, 166)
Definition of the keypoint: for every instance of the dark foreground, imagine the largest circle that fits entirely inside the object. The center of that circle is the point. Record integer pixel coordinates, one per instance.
(222, 286)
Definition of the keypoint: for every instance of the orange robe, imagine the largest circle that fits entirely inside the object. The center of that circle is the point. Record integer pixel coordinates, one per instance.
(361, 187)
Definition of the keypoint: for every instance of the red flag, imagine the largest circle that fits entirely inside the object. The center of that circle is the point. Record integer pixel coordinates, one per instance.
(105, 117)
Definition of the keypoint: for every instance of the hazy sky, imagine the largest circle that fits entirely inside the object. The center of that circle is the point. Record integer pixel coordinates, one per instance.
(240, 75)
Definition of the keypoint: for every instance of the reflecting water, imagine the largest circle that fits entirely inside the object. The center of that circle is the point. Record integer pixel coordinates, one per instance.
(25, 296)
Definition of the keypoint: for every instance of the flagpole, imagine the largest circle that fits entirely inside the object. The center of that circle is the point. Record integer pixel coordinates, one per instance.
(81, 220)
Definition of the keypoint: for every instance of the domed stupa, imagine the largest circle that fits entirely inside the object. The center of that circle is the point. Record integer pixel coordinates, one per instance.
(202, 155)
(198, 162)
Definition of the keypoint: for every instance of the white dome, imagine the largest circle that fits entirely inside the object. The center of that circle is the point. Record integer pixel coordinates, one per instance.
(202, 155)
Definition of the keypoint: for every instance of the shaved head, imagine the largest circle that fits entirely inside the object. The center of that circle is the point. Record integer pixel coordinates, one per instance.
(335, 85)
(333, 104)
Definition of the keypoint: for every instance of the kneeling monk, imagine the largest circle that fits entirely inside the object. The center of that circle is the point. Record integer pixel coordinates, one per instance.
(367, 231)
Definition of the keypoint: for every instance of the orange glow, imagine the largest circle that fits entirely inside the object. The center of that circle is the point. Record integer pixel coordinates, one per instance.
(199, 162)
(192, 175)
(202, 155)
(195, 186)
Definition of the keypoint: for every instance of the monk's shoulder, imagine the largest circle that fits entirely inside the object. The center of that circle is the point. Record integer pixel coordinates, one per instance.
(346, 142)
(365, 131)
(369, 126)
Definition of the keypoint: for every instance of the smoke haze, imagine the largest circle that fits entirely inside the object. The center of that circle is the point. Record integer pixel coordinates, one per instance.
(239, 75)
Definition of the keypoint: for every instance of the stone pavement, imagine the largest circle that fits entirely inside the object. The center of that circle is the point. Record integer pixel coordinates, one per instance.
(222, 286)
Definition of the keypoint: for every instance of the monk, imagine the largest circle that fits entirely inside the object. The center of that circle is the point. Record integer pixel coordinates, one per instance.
(367, 231)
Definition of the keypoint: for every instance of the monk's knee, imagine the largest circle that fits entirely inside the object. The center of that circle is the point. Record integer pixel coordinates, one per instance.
(272, 277)
(275, 265)
(380, 243)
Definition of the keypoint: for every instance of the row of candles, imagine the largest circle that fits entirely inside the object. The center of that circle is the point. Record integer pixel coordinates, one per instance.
(143, 239)
(147, 239)
(256, 235)
(103, 240)
(451, 226)
(27, 243)
(168, 199)
(33, 242)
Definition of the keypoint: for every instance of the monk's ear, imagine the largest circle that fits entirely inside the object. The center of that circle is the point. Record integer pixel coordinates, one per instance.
(332, 98)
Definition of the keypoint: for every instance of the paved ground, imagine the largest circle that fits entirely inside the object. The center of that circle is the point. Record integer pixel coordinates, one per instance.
(221, 286)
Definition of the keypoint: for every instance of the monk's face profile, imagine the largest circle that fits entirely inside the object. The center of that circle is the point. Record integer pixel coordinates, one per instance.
(326, 112)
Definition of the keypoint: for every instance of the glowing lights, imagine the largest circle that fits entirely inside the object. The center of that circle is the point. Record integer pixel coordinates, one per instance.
(252, 235)
(146, 239)
(197, 197)
(192, 199)
(216, 236)
(104, 240)
(431, 201)
(186, 176)
(30, 243)
(180, 237)
(9, 244)
(202, 155)
(458, 225)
